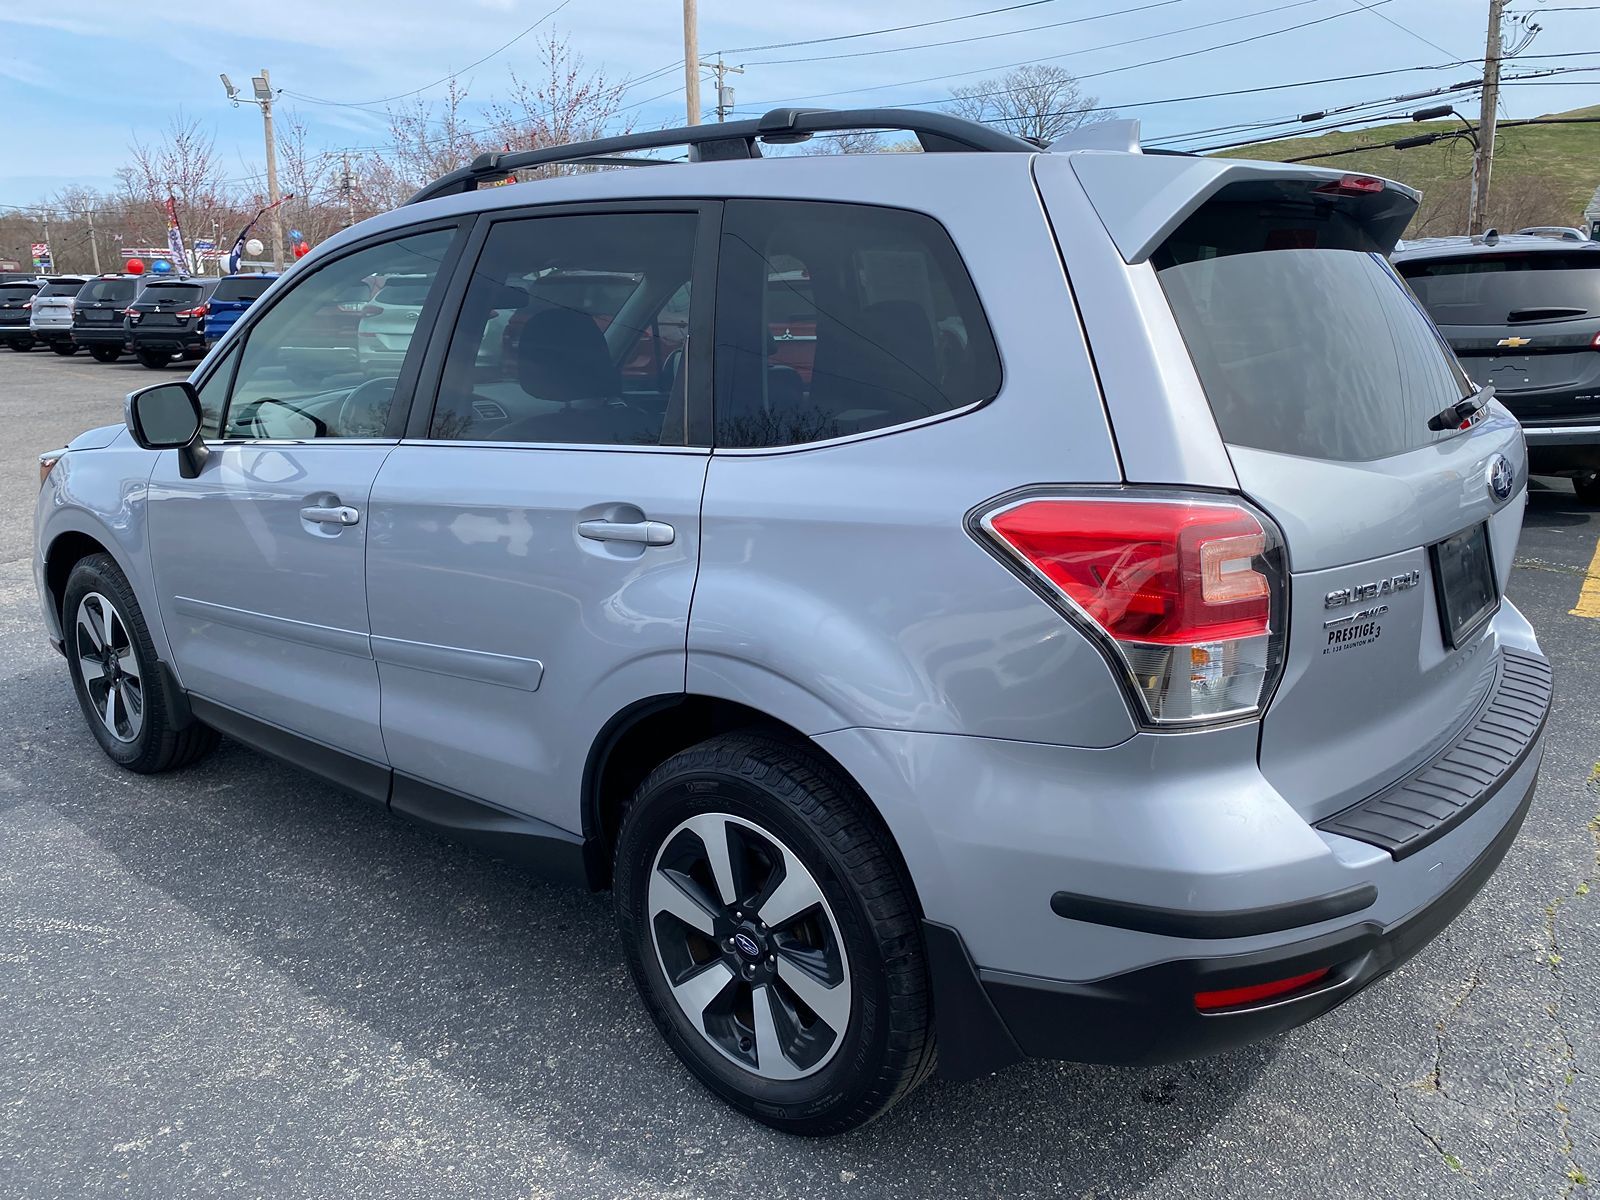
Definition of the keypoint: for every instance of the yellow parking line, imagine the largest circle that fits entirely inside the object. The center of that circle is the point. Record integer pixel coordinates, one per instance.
(1589, 597)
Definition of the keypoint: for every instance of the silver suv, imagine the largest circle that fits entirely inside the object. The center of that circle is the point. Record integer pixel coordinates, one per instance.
(966, 605)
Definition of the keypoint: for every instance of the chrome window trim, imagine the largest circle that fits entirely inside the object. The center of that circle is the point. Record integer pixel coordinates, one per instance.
(864, 435)
(589, 446)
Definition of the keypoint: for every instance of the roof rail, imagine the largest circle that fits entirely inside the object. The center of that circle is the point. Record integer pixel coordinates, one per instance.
(937, 132)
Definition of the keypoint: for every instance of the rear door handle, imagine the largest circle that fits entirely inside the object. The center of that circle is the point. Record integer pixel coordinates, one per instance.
(644, 533)
(330, 514)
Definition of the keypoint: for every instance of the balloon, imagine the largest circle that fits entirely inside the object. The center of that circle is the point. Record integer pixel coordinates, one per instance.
(135, 266)
(301, 250)
(254, 247)
(161, 266)
(295, 235)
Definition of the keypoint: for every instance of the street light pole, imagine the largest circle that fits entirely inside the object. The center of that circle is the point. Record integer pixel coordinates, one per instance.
(691, 62)
(262, 86)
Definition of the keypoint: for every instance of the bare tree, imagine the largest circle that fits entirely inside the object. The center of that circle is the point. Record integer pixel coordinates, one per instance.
(318, 208)
(1039, 101)
(182, 164)
(563, 103)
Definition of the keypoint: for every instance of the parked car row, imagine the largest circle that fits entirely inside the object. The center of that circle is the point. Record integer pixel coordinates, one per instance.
(157, 320)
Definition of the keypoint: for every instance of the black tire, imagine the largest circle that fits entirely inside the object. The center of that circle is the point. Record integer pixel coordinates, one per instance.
(22, 344)
(1588, 488)
(157, 744)
(792, 794)
(65, 349)
(105, 354)
(155, 359)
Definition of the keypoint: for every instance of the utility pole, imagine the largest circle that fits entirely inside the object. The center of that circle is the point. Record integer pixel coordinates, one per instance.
(261, 85)
(691, 62)
(94, 242)
(1483, 160)
(348, 186)
(724, 92)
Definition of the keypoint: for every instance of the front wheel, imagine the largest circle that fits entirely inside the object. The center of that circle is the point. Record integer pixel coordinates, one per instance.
(105, 354)
(772, 933)
(1588, 488)
(115, 673)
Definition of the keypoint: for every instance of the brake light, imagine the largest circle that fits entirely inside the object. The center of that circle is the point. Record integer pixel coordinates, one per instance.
(27, 304)
(1594, 342)
(1255, 993)
(1184, 592)
(199, 310)
(1351, 185)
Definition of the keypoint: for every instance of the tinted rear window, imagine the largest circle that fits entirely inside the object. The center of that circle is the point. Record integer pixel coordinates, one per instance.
(1505, 289)
(14, 292)
(247, 290)
(169, 293)
(66, 288)
(407, 293)
(115, 290)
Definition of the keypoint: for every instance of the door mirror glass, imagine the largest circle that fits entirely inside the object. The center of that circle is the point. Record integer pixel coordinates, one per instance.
(164, 417)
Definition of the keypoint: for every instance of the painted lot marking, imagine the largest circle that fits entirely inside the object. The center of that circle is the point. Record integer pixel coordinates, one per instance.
(1589, 596)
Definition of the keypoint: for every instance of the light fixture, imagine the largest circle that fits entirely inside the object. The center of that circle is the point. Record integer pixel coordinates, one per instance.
(263, 92)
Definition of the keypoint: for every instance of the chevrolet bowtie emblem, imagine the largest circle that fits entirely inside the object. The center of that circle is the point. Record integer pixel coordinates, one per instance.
(1513, 342)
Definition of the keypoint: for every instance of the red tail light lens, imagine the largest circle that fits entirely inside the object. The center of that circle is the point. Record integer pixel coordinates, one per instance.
(199, 310)
(1255, 993)
(1184, 591)
(28, 304)
(1352, 185)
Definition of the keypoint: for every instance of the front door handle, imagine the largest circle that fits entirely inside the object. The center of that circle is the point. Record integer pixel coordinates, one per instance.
(644, 533)
(330, 514)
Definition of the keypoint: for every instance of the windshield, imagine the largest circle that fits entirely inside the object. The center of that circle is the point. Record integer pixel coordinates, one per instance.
(114, 290)
(241, 290)
(1498, 289)
(169, 293)
(69, 287)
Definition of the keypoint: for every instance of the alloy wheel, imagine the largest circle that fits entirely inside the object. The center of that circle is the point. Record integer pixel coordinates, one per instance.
(109, 667)
(749, 946)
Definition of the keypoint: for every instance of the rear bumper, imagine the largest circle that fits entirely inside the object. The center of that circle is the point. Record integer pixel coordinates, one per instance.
(1562, 449)
(16, 333)
(90, 335)
(1077, 900)
(990, 1019)
(172, 340)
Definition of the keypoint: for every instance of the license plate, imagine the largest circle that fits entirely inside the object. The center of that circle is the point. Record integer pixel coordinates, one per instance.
(1464, 582)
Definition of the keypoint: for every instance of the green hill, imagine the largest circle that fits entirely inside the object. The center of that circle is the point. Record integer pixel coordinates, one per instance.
(1543, 174)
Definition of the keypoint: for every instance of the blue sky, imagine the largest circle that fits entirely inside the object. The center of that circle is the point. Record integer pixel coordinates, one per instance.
(78, 83)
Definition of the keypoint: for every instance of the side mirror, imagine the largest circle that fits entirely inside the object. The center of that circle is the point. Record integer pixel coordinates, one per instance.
(166, 416)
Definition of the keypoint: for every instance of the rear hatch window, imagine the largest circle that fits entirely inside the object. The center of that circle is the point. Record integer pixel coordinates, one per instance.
(1507, 289)
(14, 294)
(241, 291)
(114, 291)
(166, 294)
(1304, 338)
(66, 288)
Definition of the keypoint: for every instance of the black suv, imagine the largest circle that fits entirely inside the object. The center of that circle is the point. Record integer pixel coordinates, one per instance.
(16, 305)
(168, 320)
(100, 313)
(1523, 313)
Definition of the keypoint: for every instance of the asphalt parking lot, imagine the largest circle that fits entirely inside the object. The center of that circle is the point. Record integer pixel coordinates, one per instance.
(236, 980)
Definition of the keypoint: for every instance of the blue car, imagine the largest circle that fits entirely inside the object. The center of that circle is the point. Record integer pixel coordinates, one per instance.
(234, 294)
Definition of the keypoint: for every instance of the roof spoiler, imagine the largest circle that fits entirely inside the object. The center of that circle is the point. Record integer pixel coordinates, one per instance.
(1143, 198)
(936, 131)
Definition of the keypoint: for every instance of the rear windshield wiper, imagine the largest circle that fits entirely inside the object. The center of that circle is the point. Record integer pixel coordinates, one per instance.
(1545, 314)
(1461, 411)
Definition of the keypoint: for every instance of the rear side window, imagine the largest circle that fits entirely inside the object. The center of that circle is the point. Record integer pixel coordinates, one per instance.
(247, 291)
(1304, 338)
(112, 290)
(837, 319)
(1505, 289)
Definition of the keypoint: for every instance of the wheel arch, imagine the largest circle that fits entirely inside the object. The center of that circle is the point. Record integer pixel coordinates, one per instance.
(646, 733)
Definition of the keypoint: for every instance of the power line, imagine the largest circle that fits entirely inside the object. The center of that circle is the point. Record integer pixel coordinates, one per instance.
(763, 106)
(443, 79)
(1409, 32)
(845, 37)
(977, 37)
(1443, 135)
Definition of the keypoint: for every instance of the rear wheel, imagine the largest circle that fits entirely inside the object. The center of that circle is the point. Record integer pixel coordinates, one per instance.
(65, 349)
(155, 359)
(105, 354)
(773, 936)
(116, 674)
(22, 344)
(1588, 487)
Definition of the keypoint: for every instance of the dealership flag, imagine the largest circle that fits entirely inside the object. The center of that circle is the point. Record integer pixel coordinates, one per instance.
(180, 259)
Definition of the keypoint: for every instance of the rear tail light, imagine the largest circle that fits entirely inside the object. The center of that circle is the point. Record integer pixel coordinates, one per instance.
(1351, 185)
(1257, 992)
(1594, 342)
(27, 304)
(1185, 593)
(199, 310)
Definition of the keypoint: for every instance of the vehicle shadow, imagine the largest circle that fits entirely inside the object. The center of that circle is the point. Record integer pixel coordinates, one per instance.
(1552, 503)
(516, 989)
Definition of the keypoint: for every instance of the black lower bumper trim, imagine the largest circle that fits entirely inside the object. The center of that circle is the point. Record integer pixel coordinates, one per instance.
(1188, 923)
